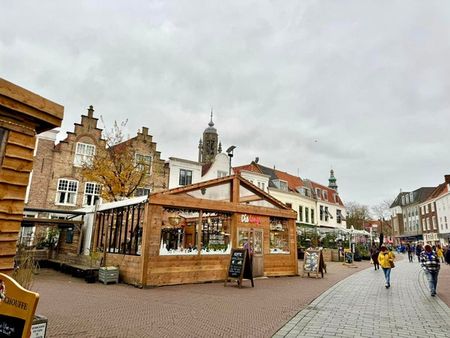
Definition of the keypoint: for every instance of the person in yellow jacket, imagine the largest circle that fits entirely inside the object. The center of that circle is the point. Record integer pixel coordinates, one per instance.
(386, 260)
(440, 253)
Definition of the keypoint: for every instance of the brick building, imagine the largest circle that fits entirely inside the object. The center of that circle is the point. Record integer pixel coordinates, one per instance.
(57, 181)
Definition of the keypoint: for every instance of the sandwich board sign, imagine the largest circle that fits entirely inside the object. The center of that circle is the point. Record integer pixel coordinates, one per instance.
(240, 267)
(17, 307)
(313, 263)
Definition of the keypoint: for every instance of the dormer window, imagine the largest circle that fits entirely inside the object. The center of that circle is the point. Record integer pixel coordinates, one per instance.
(318, 193)
(325, 195)
(282, 185)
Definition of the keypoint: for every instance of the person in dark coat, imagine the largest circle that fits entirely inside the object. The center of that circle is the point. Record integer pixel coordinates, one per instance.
(374, 255)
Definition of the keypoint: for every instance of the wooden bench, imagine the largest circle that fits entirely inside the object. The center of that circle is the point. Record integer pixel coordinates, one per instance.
(81, 271)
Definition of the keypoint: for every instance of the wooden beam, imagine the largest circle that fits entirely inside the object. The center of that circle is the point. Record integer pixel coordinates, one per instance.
(175, 201)
(25, 101)
(51, 221)
(197, 186)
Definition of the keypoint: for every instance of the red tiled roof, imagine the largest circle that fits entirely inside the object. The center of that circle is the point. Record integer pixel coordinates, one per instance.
(330, 194)
(247, 167)
(293, 181)
(441, 189)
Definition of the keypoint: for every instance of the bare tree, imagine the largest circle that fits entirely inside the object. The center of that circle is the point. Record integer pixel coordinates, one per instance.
(357, 214)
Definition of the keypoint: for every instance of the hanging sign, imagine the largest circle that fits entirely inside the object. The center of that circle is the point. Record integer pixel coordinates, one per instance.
(17, 307)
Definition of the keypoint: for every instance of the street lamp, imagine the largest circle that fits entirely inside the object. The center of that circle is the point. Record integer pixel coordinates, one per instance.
(230, 151)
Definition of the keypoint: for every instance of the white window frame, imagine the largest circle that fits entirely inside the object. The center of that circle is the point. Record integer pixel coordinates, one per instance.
(67, 190)
(146, 160)
(143, 189)
(222, 173)
(83, 156)
(185, 177)
(96, 192)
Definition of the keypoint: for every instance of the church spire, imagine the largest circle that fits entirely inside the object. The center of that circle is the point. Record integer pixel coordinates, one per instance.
(332, 181)
(211, 123)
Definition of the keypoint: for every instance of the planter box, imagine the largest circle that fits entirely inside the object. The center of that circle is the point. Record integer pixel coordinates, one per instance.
(108, 274)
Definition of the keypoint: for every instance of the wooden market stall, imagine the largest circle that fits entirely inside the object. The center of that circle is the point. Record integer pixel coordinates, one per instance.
(23, 114)
(185, 235)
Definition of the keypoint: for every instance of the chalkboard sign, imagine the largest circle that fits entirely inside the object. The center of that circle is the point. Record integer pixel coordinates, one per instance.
(11, 326)
(237, 263)
(240, 267)
(313, 262)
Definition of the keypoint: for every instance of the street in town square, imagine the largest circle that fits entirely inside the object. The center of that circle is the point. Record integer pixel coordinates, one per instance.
(347, 302)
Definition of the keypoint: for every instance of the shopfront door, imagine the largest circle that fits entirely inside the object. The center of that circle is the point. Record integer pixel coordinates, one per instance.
(256, 239)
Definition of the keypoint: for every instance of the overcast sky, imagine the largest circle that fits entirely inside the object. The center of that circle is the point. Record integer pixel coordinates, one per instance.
(359, 86)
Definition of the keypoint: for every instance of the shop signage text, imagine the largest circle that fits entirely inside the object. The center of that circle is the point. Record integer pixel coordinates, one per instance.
(250, 219)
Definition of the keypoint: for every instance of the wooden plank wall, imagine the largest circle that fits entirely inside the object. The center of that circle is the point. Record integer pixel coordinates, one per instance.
(281, 264)
(129, 267)
(14, 174)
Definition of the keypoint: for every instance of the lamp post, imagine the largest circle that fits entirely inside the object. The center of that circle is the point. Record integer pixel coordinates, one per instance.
(230, 151)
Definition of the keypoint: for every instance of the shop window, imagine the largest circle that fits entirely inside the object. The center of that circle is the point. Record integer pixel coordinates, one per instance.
(91, 193)
(66, 192)
(279, 235)
(185, 177)
(84, 154)
(143, 163)
(3, 139)
(216, 233)
(180, 229)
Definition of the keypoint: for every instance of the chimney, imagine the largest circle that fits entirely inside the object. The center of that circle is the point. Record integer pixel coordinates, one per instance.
(91, 111)
(144, 131)
(447, 179)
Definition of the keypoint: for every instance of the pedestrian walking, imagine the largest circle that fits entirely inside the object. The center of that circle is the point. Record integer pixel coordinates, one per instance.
(431, 265)
(374, 252)
(386, 260)
(409, 249)
(440, 253)
(447, 254)
(418, 251)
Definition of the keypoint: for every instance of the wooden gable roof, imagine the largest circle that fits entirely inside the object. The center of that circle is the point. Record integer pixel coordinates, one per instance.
(179, 197)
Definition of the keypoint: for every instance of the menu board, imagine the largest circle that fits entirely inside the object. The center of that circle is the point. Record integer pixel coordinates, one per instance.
(311, 261)
(240, 267)
(237, 263)
(314, 263)
(11, 326)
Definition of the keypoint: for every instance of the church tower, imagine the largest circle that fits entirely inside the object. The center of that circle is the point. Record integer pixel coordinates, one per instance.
(209, 146)
(332, 181)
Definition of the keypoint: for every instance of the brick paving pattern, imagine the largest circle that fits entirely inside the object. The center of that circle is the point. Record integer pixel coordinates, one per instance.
(360, 306)
(77, 309)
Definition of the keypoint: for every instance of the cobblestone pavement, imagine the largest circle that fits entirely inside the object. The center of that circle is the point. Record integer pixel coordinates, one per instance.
(360, 306)
(77, 309)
